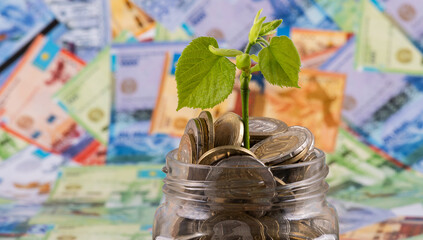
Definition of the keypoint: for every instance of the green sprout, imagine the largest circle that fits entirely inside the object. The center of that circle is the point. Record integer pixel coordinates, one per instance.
(205, 76)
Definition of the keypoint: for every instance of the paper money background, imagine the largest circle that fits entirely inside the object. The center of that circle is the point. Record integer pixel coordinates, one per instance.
(88, 99)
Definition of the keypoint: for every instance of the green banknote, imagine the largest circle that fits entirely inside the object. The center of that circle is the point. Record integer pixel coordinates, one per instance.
(382, 46)
(358, 174)
(162, 34)
(117, 186)
(87, 96)
(103, 232)
(346, 13)
(9, 145)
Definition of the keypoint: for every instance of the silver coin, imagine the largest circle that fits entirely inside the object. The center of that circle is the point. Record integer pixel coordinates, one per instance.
(228, 130)
(282, 146)
(186, 151)
(213, 156)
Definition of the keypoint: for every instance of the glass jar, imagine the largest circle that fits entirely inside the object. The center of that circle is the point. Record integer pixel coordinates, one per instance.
(249, 202)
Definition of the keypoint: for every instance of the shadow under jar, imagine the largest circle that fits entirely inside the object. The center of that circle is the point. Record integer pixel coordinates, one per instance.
(248, 202)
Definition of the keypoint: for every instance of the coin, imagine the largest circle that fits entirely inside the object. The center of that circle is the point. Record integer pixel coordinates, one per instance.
(301, 229)
(187, 151)
(232, 225)
(309, 135)
(282, 146)
(206, 115)
(194, 127)
(228, 130)
(213, 156)
(276, 225)
(263, 127)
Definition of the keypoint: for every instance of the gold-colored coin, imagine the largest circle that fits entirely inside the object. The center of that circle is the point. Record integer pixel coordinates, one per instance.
(281, 147)
(228, 130)
(187, 152)
(195, 128)
(207, 117)
(213, 156)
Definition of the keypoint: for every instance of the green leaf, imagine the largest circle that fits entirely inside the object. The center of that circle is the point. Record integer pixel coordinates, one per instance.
(269, 27)
(254, 57)
(255, 30)
(255, 68)
(280, 62)
(203, 79)
(243, 62)
(224, 52)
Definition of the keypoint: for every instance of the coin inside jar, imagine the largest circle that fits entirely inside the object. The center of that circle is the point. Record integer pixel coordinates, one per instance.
(309, 134)
(213, 156)
(208, 120)
(263, 127)
(187, 150)
(195, 128)
(281, 147)
(228, 130)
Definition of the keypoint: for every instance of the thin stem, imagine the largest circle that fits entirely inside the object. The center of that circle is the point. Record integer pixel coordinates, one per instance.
(245, 94)
(248, 48)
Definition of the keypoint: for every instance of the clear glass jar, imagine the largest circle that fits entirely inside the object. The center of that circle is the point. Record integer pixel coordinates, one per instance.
(214, 202)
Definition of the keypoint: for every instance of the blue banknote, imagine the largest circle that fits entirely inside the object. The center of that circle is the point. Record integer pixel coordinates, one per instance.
(14, 218)
(88, 25)
(137, 70)
(354, 216)
(20, 22)
(385, 109)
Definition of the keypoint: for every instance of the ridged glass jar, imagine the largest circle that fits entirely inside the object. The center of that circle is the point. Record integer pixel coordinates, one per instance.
(249, 202)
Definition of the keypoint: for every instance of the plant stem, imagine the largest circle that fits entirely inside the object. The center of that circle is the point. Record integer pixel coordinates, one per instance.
(245, 94)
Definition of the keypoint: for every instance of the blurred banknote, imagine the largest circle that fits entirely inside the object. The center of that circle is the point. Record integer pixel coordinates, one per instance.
(125, 15)
(88, 23)
(25, 102)
(317, 46)
(165, 118)
(395, 228)
(14, 219)
(104, 232)
(354, 165)
(171, 14)
(317, 105)
(10, 145)
(382, 46)
(353, 216)
(162, 34)
(29, 175)
(388, 117)
(408, 14)
(117, 186)
(346, 13)
(20, 22)
(87, 96)
(137, 69)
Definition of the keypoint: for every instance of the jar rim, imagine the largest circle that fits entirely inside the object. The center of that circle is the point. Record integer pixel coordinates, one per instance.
(172, 156)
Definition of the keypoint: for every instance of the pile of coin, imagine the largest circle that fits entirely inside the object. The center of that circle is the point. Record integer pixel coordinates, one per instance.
(233, 181)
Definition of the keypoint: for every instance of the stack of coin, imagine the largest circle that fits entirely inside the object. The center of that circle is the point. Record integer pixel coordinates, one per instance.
(274, 146)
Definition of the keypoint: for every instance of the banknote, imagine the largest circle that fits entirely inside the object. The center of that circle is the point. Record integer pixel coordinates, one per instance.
(20, 22)
(137, 70)
(87, 96)
(88, 25)
(117, 186)
(353, 164)
(170, 14)
(317, 46)
(10, 145)
(105, 231)
(381, 46)
(162, 34)
(353, 216)
(125, 15)
(14, 219)
(317, 105)
(346, 13)
(408, 15)
(29, 175)
(394, 228)
(386, 117)
(25, 104)
(165, 118)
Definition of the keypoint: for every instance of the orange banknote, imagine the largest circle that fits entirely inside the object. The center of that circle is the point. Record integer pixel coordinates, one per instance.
(395, 228)
(26, 108)
(317, 105)
(317, 46)
(165, 118)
